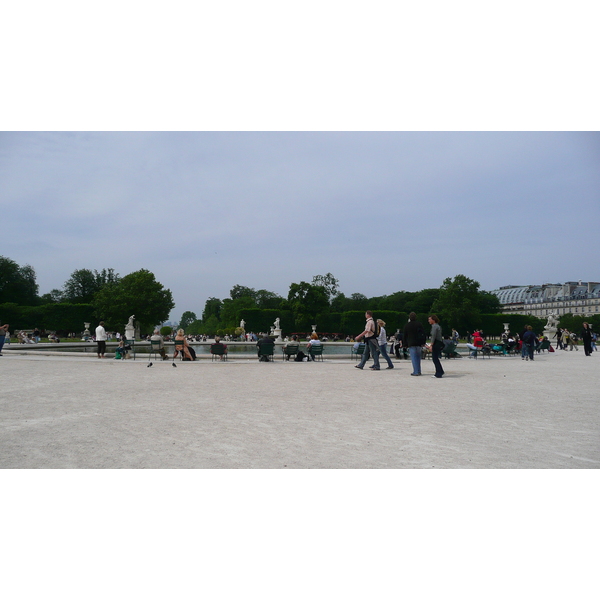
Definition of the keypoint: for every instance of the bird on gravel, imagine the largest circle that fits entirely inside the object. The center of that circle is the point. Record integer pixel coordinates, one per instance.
(149, 364)
(174, 364)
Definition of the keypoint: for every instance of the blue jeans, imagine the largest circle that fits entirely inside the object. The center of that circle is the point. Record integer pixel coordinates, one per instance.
(371, 345)
(415, 357)
(2, 339)
(383, 350)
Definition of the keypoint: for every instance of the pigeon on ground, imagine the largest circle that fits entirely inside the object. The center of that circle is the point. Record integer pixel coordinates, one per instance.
(149, 364)
(174, 364)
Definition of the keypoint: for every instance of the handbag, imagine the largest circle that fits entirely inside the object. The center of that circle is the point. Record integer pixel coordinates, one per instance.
(438, 345)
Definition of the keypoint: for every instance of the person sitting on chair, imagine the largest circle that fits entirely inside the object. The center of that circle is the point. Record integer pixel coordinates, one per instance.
(156, 337)
(477, 343)
(220, 344)
(181, 341)
(264, 340)
(314, 341)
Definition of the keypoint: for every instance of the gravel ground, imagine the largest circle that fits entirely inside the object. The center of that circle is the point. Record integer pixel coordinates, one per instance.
(504, 413)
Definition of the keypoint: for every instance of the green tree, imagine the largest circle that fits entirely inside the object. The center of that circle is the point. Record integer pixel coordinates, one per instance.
(230, 312)
(358, 302)
(423, 301)
(136, 294)
(17, 284)
(212, 308)
(187, 318)
(489, 303)
(267, 300)
(458, 302)
(329, 282)
(307, 302)
(83, 284)
(240, 291)
(53, 297)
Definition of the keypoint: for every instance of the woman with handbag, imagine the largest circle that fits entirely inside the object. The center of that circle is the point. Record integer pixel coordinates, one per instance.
(437, 345)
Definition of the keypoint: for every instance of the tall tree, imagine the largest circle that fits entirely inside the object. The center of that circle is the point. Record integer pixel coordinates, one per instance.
(307, 302)
(212, 308)
(329, 282)
(458, 302)
(52, 297)
(266, 299)
(241, 291)
(187, 318)
(136, 294)
(17, 284)
(84, 283)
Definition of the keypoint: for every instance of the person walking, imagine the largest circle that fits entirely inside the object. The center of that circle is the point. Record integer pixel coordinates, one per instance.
(529, 342)
(382, 341)
(437, 345)
(371, 343)
(558, 335)
(414, 338)
(3, 334)
(586, 336)
(101, 339)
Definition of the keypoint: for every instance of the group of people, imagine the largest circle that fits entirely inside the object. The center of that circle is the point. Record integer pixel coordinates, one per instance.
(294, 344)
(413, 338)
(567, 340)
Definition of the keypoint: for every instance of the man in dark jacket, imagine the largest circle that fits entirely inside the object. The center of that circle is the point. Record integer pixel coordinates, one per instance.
(265, 340)
(414, 337)
(586, 336)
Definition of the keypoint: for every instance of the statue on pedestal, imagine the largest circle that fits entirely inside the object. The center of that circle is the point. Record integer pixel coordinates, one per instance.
(551, 325)
(276, 330)
(130, 328)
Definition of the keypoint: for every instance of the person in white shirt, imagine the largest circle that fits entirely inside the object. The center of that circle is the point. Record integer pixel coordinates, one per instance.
(101, 339)
(382, 341)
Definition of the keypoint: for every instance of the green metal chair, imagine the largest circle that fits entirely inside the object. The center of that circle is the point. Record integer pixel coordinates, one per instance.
(450, 351)
(266, 350)
(154, 350)
(316, 351)
(290, 350)
(132, 344)
(218, 352)
(179, 347)
(356, 352)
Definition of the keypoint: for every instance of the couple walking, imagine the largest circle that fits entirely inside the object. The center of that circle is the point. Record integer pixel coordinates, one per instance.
(414, 338)
(375, 342)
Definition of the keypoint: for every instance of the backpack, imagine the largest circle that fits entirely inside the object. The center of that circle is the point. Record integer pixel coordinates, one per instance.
(377, 328)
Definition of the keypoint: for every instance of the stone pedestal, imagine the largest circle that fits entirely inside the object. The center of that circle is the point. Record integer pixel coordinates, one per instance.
(277, 335)
(129, 332)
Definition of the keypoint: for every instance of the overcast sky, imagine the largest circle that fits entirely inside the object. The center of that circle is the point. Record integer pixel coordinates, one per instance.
(381, 211)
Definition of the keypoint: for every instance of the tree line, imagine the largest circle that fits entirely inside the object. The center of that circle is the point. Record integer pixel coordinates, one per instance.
(459, 302)
(90, 296)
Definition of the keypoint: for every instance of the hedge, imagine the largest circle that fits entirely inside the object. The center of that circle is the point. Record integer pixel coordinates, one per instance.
(63, 317)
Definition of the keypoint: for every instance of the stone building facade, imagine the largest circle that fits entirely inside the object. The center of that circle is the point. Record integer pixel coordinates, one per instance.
(576, 297)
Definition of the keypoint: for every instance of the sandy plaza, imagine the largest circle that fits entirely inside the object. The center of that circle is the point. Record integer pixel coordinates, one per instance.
(78, 412)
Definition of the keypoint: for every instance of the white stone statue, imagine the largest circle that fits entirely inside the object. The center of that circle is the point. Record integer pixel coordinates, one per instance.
(130, 329)
(552, 321)
(276, 324)
(243, 324)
